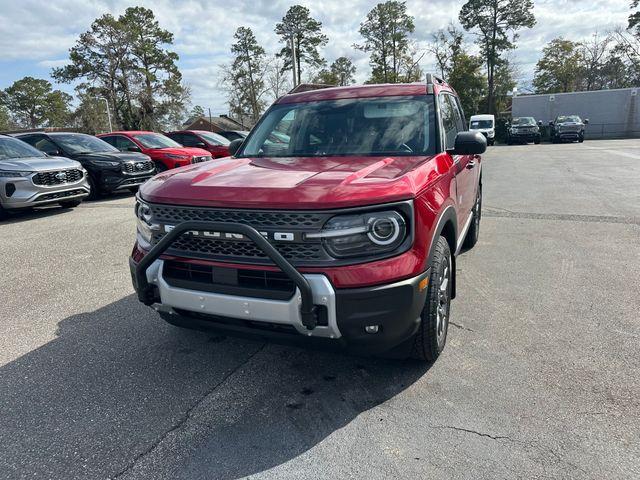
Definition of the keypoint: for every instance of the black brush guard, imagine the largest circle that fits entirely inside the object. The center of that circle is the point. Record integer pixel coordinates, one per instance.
(308, 311)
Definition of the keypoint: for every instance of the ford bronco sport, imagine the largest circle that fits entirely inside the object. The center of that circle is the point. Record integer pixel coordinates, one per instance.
(344, 232)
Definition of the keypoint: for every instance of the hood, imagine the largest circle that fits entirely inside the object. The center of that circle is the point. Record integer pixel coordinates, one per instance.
(191, 151)
(567, 124)
(296, 183)
(115, 156)
(38, 164)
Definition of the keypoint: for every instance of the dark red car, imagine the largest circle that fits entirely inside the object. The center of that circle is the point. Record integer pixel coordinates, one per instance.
(166, 153)
(337, 221)
(215, 144)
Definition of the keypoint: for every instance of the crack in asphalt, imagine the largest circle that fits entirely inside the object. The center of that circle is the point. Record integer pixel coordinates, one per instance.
(533, 445)
(461, 327)
(562, 217)
(184, 418)
(475, 432)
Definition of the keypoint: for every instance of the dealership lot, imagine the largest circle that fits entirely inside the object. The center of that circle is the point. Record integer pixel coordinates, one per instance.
(539, 378)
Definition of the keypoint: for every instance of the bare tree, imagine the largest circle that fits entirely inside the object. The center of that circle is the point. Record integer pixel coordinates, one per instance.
(593, 55)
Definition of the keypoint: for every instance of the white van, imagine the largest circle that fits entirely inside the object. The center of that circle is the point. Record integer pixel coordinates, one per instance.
(485, 124)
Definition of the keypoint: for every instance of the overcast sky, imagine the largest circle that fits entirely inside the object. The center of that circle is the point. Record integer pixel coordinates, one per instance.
(37, 34)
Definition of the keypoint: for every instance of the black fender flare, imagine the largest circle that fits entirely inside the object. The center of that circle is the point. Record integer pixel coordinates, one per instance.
(447, 215)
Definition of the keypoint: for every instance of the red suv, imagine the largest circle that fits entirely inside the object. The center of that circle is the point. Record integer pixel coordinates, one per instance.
(345, 231)
(165, 152)
(215, 144)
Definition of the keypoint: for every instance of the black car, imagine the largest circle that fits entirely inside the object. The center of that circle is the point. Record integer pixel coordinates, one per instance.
(109, 169)
(523, 130)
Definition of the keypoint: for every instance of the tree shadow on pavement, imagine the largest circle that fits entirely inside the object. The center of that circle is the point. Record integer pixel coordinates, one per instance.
(120, 393)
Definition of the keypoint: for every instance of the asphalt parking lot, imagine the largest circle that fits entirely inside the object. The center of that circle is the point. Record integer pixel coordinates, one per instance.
(540, 378)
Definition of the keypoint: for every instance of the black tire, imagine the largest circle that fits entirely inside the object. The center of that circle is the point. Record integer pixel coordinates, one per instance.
(3, 213)
(94, 194)
(491, 142)
(536, 140)
(581, 139)
(70, 203)
(134, 189)
(430, 340)
(474, 229)
(509, 141)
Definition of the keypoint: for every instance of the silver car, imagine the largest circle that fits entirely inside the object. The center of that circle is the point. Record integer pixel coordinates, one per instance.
(30, 178)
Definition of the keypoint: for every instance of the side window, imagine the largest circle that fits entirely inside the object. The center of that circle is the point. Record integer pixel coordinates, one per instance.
(121, 143)
(450, 129)
(189, 140)
(176, 137)
(110, 140)
(30, 140)
(457, 112)
(47, 146)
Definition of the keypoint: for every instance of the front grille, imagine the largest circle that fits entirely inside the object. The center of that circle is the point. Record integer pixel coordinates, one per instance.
(58, 177)
(255, 218)
(243, 250)
(57, 195)
(138, 167)
(134, 181)
(253, 283)
(200, 159)
(298, 252)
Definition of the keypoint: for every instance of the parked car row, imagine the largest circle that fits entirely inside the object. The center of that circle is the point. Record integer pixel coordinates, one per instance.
(44, 168)
(527, 130)
(562, 128)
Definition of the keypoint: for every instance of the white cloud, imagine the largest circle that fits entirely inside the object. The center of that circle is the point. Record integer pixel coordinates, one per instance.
(40, 33)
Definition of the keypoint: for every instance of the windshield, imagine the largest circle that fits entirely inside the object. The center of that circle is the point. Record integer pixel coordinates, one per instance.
(569, 118)
(78, 143)
(524, 121)
(477, 124)
(359, 126)
(11, 148)
(214, 138)
(155, 140)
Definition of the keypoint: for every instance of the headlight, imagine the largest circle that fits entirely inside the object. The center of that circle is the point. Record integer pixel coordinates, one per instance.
(144, 225)
(104, 163)
(513, 130)
(177, 157)
(13, 173)
(364, 234)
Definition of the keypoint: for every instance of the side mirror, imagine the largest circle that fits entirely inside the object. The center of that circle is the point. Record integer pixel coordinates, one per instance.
(54, 153)
(134, 148)
(234, 146)
(469, 143)
(551, 124)
(200, 145)
(586, 121)
(540, 123)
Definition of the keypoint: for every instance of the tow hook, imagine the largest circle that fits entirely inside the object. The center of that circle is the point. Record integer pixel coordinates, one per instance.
(309, 319)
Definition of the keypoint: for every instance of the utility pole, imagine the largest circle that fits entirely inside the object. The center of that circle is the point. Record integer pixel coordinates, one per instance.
(210, 120)
(106, 102)
(294, 63)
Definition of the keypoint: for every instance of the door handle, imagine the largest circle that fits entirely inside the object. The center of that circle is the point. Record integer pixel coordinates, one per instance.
(471, 164)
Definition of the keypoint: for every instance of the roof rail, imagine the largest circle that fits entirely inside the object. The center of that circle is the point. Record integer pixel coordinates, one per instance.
(307, 87)
(432, 80)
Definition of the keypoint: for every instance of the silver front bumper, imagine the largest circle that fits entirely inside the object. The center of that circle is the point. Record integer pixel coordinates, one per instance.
(249, 308)
(27, 194)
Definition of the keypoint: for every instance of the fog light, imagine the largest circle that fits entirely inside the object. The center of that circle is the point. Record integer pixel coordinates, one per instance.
(371, 328)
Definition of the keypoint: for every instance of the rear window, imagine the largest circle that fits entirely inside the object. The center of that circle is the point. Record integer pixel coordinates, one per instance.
(361, 126)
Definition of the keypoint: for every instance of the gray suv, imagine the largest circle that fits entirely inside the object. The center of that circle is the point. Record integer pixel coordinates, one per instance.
(568, 127)
(30, 178)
